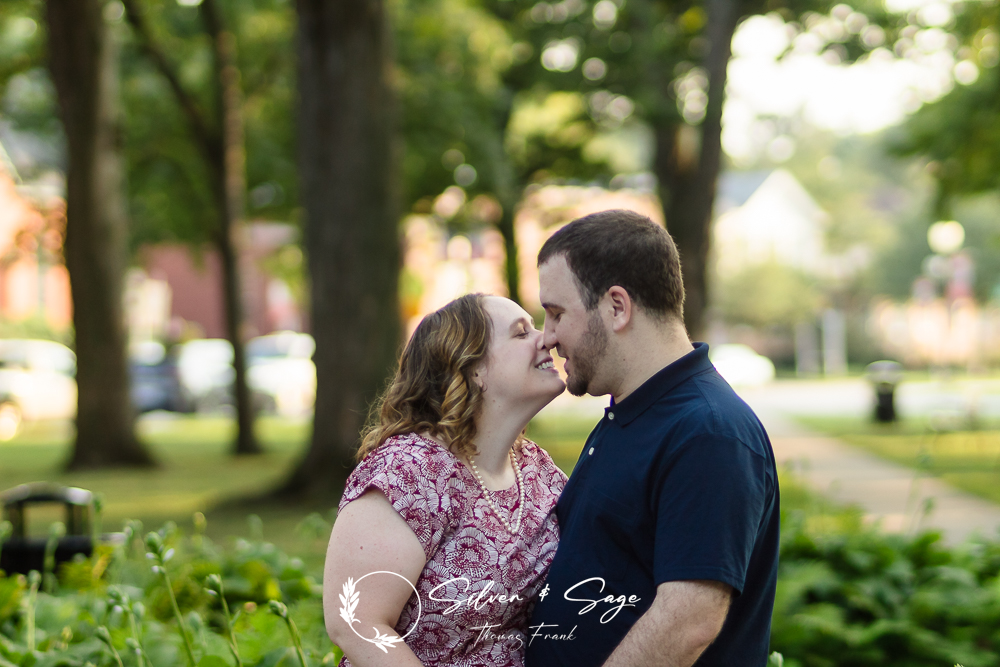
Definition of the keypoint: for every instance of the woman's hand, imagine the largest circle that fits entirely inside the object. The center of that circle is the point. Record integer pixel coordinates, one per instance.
(370, 536)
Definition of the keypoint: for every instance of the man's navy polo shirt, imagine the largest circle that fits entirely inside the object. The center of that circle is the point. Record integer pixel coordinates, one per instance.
(677, 482)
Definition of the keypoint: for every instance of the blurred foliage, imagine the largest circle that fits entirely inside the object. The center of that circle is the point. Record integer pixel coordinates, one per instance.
(979, 216)
(28, 110)
(600, 56)
(767, 294)
(850, 595)
(639, 51)
(960, 132)
(959, 137)
(21, 37)
(168, 183)
(478, 112)
(879, 207)
(847, 596)
(863, 190)
(898, 263)
(496, 94)
(870, 200)
(116, 589)
(451, 56)
(862, 598)
(37, 328)
(638, 65)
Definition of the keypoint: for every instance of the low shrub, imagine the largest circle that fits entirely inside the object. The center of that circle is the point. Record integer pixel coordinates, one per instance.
(858, 597)
(848, 596)
(167, 599)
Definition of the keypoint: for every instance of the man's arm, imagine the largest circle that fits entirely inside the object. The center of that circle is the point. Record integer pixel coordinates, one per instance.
(686, 616)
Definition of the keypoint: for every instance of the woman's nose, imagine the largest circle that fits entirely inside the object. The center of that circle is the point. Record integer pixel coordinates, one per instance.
(539, 340)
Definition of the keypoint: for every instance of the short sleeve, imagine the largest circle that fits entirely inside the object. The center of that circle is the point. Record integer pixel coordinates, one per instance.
(549, 474)
(414, 479)
(712, 498)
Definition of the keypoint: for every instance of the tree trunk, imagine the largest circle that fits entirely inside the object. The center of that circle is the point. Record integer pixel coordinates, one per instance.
(507, 231)
(223, 149)
(83, 59)
(229, 166)
(347, 153)
(687, 167)
(509, 192)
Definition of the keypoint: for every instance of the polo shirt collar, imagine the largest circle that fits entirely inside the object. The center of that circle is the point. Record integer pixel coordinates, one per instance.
(661, 383)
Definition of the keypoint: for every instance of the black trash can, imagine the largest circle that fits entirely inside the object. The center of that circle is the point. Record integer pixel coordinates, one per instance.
(885, 376)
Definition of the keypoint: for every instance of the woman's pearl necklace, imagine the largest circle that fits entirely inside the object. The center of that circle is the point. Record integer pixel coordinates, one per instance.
(520, 494)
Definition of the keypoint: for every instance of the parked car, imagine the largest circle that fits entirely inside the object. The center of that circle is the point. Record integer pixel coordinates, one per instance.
(36, 382)
(155, 379)
(205, 370)
(280, 373)
(740, 366)
(281, 366)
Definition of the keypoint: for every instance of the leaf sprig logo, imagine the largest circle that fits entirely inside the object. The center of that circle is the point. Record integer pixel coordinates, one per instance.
(351, 597)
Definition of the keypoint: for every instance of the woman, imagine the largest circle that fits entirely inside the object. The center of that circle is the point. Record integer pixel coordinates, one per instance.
(446, 528)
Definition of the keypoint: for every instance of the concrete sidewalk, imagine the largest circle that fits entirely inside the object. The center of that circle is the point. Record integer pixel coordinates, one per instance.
(888, 493)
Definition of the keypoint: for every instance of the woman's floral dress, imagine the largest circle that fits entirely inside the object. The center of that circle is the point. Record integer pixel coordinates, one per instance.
(472, 559)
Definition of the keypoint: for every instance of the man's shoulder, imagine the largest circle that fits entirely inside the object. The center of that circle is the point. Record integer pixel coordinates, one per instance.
(706, 407)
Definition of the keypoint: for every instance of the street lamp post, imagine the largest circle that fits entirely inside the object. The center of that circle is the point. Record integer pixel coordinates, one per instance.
(949, 267)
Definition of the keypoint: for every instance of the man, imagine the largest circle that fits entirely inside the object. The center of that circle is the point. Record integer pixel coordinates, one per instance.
(669, 523)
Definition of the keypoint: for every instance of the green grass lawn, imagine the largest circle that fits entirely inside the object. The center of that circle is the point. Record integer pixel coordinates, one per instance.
(196, 473)
(968, 459)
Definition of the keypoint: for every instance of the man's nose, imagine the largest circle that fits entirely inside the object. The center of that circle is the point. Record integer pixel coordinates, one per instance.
(549, 339)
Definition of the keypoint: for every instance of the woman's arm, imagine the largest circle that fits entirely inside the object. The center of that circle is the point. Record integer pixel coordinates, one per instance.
(370, 536)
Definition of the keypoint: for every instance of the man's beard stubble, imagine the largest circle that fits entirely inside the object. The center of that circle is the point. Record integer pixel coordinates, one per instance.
(593, 344)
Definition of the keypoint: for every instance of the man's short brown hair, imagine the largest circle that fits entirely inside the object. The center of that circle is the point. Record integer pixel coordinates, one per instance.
(624, 248)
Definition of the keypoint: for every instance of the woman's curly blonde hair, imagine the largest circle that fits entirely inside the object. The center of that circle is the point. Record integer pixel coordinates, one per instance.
(434, 390)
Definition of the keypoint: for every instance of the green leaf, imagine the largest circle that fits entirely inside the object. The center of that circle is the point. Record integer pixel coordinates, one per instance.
(276, 657)
(213, 661)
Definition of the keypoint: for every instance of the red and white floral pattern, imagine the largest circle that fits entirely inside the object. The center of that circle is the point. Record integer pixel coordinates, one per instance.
(466, 546)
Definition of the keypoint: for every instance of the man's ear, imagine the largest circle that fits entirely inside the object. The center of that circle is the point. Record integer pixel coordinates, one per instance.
(620, 305)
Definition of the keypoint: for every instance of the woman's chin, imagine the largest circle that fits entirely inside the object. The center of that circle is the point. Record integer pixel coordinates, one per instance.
(539, 400)
(556, 392)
